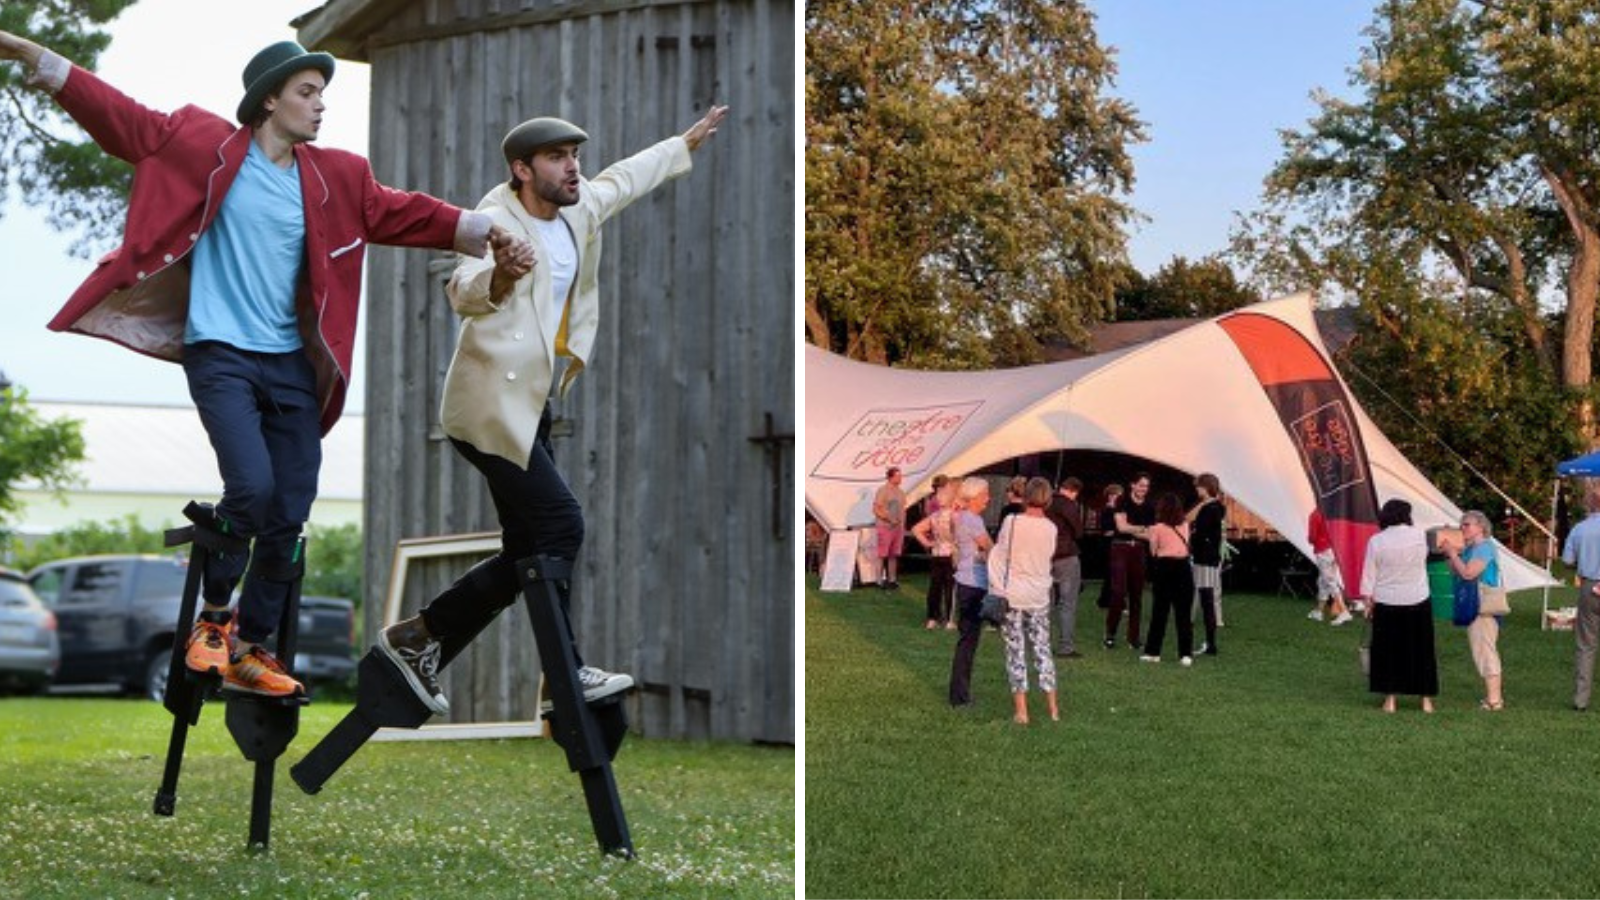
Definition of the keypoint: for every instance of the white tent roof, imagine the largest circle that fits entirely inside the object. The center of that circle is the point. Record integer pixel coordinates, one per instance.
(1188, 400)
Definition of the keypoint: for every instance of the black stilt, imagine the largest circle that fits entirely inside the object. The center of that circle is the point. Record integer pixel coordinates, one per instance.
(590, 733)
(186, 690)
(383, 700)
(263, 727)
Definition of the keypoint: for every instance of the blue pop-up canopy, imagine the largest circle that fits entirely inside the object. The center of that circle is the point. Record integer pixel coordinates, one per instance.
(1587, 465)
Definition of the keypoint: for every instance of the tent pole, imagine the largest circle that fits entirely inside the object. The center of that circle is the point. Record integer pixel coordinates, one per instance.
(1550, 551)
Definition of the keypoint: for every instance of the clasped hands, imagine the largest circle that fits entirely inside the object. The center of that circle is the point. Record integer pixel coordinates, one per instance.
(513, 256)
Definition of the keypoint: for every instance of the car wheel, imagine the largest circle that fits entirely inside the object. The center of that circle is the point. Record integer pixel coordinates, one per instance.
(155, 676)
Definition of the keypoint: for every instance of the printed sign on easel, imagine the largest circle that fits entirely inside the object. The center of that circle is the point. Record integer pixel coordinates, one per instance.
(840, 562)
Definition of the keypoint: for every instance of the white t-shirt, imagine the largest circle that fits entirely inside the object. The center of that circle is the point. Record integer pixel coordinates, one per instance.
(1395, 572)
(1019, 564)
(562, 258)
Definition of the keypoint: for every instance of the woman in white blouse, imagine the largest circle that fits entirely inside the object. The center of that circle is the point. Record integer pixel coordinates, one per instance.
(1394, 578)
(1019, 570)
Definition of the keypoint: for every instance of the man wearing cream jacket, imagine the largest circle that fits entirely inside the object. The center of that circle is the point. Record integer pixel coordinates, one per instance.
(520, 312)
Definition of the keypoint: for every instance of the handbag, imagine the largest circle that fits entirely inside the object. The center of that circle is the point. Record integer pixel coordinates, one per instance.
(1466, 602)
(995, 607)
(1493, 601)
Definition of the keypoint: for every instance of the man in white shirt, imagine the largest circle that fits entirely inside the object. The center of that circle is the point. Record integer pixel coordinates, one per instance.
(533, 304)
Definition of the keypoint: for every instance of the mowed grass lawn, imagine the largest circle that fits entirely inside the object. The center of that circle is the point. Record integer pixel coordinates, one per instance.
(479, 819)
(1266, 772)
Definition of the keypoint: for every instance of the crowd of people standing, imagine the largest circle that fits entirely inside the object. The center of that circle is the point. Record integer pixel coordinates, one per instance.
(1034, 559)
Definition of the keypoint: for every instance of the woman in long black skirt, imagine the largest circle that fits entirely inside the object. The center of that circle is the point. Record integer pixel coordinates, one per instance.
(1394, 578)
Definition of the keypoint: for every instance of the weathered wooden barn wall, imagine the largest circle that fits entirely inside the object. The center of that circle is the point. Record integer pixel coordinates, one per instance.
(686, 577)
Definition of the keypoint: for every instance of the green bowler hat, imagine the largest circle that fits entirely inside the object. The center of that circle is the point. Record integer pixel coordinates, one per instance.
(271, 66)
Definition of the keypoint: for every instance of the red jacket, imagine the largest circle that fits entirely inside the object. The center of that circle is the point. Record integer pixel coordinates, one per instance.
(184, 162)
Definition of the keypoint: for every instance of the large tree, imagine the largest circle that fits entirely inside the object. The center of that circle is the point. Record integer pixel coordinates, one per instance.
(1465, 172)
(963, 173)
(42, 152)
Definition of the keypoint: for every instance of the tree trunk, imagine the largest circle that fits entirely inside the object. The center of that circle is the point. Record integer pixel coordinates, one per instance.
(1527, 306)
(817, 326)
(1583, 284)
(1577, 367)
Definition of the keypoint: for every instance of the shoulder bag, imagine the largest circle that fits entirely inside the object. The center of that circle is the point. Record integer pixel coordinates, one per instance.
(1493, 601)
(995, 606)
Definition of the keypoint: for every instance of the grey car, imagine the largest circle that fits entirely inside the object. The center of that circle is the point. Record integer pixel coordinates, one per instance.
(30, 649)
(118, 616)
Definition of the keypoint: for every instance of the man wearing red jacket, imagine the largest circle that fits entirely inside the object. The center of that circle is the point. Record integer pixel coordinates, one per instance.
(241, 260)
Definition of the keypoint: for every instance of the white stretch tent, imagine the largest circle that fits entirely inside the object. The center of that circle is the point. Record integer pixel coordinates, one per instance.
(1188, 400)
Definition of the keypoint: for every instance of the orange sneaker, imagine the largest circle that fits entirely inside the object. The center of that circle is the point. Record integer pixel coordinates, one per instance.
(259, 672)
(207, 649)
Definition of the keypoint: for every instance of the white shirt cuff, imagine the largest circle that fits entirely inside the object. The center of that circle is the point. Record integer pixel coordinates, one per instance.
(51, 72)
(472, 233)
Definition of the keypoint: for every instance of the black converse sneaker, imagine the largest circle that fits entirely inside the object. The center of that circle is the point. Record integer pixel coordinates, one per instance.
(416, 655)
(597, 684)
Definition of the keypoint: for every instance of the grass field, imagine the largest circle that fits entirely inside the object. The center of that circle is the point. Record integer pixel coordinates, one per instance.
(1265, 772)
(480, 819)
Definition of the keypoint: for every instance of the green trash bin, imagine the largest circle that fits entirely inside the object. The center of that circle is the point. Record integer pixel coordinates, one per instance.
(1441, 588)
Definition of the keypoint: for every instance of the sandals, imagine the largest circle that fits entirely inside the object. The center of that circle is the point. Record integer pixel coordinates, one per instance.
(1486, 706)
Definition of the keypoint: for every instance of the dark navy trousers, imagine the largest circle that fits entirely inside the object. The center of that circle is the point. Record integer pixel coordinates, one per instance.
(260, 412)
(538, 515)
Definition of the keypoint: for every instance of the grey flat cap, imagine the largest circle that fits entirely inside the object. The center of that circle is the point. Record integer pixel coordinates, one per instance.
(541, 132)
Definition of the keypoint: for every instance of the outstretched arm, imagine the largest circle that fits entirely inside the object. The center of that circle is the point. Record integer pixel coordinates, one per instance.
(20, 49)
(705, 128)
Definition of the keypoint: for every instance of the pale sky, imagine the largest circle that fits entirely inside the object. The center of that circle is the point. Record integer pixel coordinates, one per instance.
(1215, 80)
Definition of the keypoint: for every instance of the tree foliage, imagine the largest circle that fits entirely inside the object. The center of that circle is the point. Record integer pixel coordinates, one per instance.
(334, 561)
(963, 168)
(33, 450)
(1183, 290)
(124, 535)
(333, 555)
(42, 151)
(1453, 388)
(1456, 200)
(1472, 154)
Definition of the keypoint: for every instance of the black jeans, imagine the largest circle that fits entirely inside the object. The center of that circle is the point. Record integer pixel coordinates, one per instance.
(538, 515)
(969, 600)
(1125, 587)
(1173, 591)
(941, 587)
(261, 413)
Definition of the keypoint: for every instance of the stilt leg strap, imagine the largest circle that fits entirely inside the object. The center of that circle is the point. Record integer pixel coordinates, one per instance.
(546, 568)
(284, 572)
(208, 530)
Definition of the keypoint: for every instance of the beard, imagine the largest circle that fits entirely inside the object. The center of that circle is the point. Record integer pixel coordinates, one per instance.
(555, 192)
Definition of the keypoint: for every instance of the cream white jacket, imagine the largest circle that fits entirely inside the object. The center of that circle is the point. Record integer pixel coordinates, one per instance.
(501, 375)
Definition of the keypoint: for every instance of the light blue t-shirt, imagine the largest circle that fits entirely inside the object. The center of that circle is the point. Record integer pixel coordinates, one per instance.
(241, 287)
(1485, 551)
(1583, 548)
